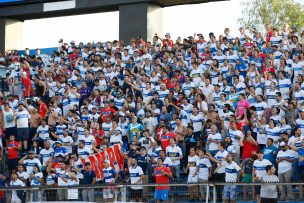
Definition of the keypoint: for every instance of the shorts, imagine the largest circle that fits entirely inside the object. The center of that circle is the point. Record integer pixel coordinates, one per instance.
(247, 178)
(108, 193)
(10, 131)
(192, 179)
(136, 194)
(229, 192)
(257, 189)
(22, 134)
(162, 195)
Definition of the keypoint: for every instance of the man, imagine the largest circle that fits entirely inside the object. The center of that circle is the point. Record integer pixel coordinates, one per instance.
(259, 170)
(270, 151)
(231, 176)
(110, 177)
(136, 178)
(60, 150)
(30, 162)
(22, 116)
(42, 133)
(162, 175)
(89, 178)
(174, 152)
(284, 160)
(12, 148)
(46, 154)
(83, 151)
(166, 136)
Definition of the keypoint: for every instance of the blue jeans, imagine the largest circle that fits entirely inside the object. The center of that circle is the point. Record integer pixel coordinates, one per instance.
(177, 172)
(35, 195)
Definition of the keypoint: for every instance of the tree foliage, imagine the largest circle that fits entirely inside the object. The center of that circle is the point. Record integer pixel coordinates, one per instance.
(260, 13)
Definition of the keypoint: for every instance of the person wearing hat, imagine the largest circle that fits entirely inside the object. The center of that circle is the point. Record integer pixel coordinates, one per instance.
(284, 161)
(30, 161)
(89, 178)
(110, 177)
(60, 150)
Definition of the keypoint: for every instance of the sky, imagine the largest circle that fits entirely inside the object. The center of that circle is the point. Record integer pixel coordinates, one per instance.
(180, 21)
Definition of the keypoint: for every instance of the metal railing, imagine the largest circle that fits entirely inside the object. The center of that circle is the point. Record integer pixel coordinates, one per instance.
(123, 193)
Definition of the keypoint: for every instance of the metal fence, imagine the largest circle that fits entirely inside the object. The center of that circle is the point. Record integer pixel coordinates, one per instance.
(178, 193)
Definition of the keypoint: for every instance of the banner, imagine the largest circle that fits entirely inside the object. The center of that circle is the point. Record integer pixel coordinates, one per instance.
(112, 154)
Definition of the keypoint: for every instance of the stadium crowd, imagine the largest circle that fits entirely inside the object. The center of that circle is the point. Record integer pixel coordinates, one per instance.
(223, 109)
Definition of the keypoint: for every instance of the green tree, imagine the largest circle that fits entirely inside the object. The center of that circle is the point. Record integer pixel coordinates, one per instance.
(261, 13)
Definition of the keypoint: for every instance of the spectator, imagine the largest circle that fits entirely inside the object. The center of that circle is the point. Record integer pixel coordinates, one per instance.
(174, 152)
(22, 119)
(136, 178)
(13, 148)
(89, 178)
(269, 192)
(110, 177)
(284, 161)
(258, 172)
(162, 175)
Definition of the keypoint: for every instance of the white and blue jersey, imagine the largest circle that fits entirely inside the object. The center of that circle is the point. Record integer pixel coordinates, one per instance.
(109, 174)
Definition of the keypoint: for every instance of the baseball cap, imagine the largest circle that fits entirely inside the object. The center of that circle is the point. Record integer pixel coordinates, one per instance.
(31, 152)
(106, 161)
(282, 144)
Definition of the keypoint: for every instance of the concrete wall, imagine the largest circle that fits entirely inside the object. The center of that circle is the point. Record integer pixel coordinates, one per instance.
(142, 19)
(13, 34)
(155, 21)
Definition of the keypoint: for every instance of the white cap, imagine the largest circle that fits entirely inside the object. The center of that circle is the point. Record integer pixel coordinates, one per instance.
(282, 144)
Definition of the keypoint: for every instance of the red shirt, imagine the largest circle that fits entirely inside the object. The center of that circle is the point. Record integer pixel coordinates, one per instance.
(160, 178)
(165, 139)
(96, 133)
(12, 152)
(248, 148)
(106, 112)
(42, 110)
(28, 87)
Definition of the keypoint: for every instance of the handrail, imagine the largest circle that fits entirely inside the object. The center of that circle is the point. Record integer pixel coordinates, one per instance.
(100, 186)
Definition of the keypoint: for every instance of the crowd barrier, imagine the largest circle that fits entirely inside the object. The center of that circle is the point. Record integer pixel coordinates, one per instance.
(178, 193)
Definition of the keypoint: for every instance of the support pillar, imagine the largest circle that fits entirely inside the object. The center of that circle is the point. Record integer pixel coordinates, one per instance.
(142, 19)
(11, 34)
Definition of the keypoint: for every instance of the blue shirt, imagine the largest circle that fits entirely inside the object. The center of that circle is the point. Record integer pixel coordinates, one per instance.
(88, 176)
(270, 153)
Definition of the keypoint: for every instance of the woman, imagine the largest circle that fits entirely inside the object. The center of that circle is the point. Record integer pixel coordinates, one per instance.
(50, 181)
(17, 196)
(8, 121)
(36, 179)
(269, 193)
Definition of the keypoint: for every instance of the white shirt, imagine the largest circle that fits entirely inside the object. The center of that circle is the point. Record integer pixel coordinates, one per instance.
(192, 163)
(83, 153)
(16, 183)
(23, 119)
(30, 163)
(284, 165)
(46, 154)
(231, 170)
(135, 175)
(197, 122)
(204, 165)
(260, 167)
(43, 132)
(35, 181)
(220, 155)
(174, 152)
(215, 137)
